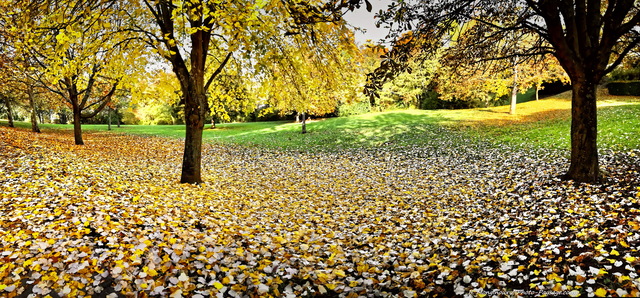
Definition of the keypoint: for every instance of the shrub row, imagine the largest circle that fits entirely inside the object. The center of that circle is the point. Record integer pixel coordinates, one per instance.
(624, 88)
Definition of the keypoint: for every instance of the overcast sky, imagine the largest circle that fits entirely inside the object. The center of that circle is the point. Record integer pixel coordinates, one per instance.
(364, 19)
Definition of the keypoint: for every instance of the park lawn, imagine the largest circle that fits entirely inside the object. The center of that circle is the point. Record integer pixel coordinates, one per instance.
(544, 124)
(418, 204)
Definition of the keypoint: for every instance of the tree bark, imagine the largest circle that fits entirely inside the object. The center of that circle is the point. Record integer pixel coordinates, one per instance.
(9, 112)
(194, 120)
(77, 121)
(537, 92)
(304, 123)
(109, 121)
(32, 107)
(584, 131)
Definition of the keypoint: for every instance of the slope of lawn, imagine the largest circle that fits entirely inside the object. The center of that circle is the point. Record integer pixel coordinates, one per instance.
(399, 204)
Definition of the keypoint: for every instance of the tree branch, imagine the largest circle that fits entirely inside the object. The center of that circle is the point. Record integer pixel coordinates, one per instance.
(217, 71)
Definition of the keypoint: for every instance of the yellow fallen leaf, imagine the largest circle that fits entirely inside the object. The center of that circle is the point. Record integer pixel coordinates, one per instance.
(601, 292)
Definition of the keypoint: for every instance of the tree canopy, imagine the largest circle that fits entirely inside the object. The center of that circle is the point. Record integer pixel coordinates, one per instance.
(588, 38)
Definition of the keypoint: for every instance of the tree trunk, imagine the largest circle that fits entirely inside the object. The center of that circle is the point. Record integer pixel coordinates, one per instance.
(304, 123)
(514, 91)
(537, 92)
(9, 112)
(117, 117)
(194, 120)
(584, 131)
(213, 122)
(109, 121)
(514, 100)
(63, 118)
(77, 125)
(32, 106)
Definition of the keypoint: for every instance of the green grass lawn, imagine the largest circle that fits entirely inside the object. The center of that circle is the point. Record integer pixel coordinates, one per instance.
(545, 123)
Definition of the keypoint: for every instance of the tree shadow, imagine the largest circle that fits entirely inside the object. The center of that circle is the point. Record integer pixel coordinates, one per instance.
(517, 119)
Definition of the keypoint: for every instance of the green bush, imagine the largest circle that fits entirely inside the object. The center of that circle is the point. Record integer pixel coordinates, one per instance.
(624, 88)
(430, 100)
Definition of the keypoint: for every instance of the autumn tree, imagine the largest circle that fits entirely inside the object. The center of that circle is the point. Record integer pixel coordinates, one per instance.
(5, 90)
(156, 98)
(534, 73)
(310, 74)
(120, 99)
(19, 84)
(467, 78)
(7, 101)
(546, 70)
(233, 92)
(79, 49)
(185, 32)
(589, 39)
(17, 71)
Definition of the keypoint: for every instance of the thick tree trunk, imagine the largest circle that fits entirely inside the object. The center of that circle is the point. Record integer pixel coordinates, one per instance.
(537, 92)
(192, 158)
(584, 131)
(32, 107)
(304, 123)
(9, 112)
(77, 125)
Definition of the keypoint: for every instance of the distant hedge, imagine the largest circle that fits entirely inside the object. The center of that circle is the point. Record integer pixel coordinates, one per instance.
(624, 88)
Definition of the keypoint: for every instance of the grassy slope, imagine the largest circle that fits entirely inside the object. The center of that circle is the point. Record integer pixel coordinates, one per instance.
(543, 123)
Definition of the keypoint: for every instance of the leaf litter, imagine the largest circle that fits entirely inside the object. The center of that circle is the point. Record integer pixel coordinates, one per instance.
(450, 218)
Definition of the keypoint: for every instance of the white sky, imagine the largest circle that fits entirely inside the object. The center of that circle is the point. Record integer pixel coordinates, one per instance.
(363, 19)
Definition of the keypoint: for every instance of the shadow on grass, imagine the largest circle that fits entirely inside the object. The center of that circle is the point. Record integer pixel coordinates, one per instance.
(517, 119)
(398, 127)
(492, 111)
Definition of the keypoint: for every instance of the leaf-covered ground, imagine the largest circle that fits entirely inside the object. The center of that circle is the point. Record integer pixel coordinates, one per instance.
(451, 217)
